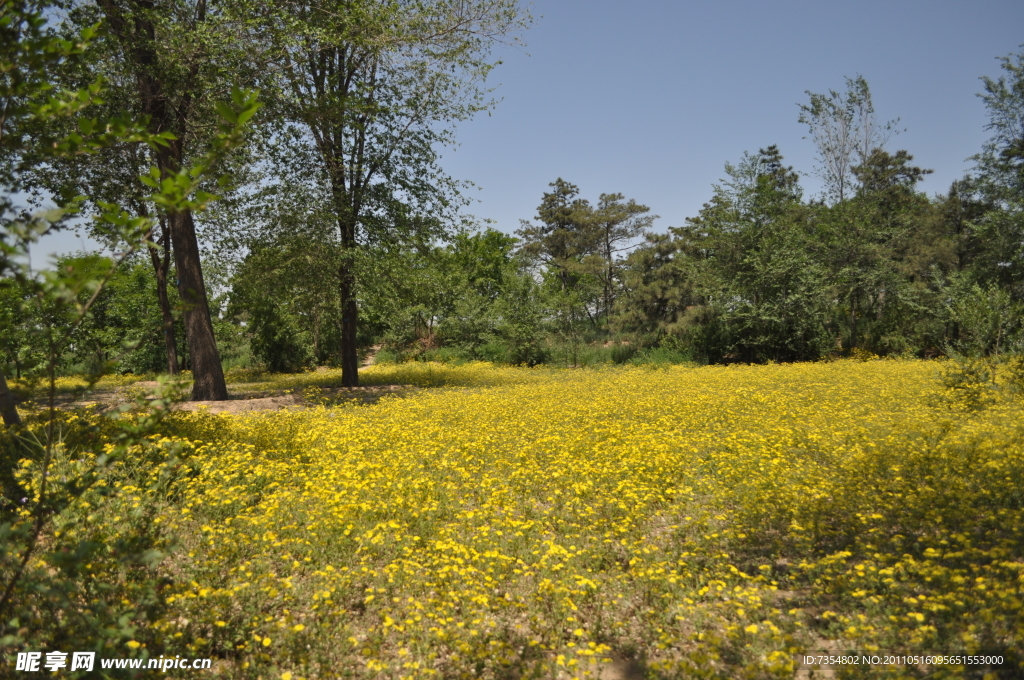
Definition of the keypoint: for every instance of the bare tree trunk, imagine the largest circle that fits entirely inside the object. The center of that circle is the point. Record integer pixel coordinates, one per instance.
(853, 322)
(610, 277)
(7, 408)
(349, 306)
(349, 319)
(207, 372)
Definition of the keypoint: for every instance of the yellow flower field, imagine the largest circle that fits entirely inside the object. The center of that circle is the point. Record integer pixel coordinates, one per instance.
(536, 523)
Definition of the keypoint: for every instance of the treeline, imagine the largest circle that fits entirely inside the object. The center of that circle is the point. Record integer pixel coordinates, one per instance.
(762, 273)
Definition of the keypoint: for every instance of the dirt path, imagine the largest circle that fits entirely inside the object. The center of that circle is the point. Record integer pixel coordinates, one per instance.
(371, 356)
(243, 397)
(327, 397)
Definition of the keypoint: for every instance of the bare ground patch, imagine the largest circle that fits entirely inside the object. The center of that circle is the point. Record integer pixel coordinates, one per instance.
(326, 396)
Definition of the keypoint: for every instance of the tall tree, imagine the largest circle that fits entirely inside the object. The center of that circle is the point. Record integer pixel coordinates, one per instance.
(886, 280)
(561, 238)
(174, 56)
(843, 127)
(565, 244)
(296, 326)
(112, 176)
(658, 290)
(960, 211)
(30, 51)
(1002, 157)
(760, 277)
(367, 89)
(1000, 175)
(617, 224)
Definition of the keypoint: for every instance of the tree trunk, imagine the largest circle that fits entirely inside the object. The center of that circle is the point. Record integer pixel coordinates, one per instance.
(160, 268)
(7, 408)
(170, 346)
(207, 373)
(349, 319)
(610, 274)
(347, 223)
(853, 322)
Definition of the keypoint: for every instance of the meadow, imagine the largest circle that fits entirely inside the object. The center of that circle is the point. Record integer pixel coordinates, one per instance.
(618, 522)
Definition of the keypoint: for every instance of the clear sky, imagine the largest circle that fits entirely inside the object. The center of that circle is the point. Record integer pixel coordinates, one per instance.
(650, 98)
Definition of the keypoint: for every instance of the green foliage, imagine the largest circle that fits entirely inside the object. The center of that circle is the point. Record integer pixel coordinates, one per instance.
(1000, 181)
(759, 275)
(20, 354)
(660, 356)
(297, 326)
(741, 281)
(1001, 161)
(470, 298)
(971, 381)
(367, 93)
(987, 320)
(520, 331)
(657, 293)
(123, 329)
(581, 249)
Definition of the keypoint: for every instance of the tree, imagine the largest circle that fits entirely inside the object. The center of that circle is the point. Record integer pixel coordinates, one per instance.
(8, 410)
(296, 326)
(887, 177)
(561, 242)
(1001, 161)
(843, 127)
(173, 54)
(581, 248)
(741, 281)
(112, 175)
(425, 297)
(886, 272)
(762, 278)
(617, 224)
(28, 52)
(960, 211)
(20, 352)
(658, 289)
(481, 270)
(1000, 177)
(562, 237)
(367, 89)
(520, 311)
(123, 328)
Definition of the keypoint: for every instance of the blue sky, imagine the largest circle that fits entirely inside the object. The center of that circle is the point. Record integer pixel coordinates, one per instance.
(650, 98)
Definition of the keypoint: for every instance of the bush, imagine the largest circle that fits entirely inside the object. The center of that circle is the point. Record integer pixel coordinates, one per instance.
(660, 356)
(622, 353)
(278, 342)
